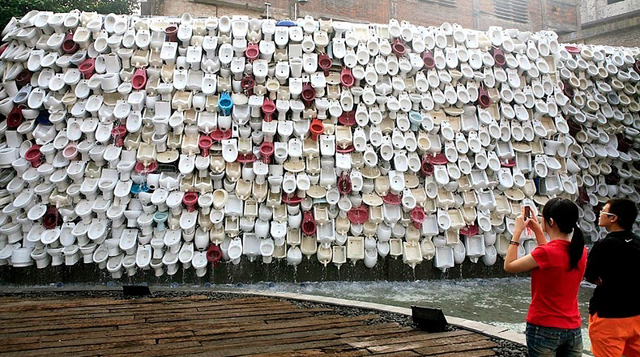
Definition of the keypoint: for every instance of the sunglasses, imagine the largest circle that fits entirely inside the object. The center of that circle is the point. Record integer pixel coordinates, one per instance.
(608, 214)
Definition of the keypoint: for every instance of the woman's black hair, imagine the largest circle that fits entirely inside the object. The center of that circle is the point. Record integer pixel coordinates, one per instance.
(565, 215)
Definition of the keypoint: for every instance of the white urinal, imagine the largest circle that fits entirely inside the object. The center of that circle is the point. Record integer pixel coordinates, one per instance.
(251, 246)
(444, 258)
(370, 252)
(339, 255)
(459, 252)
(325, 254)
(235, 250)
(294, 256)
(430, 226)
(412, 255)
(267, 248)
(427, 248)
(475, 247)
(502, 245)
(490, 256)
(395, 247)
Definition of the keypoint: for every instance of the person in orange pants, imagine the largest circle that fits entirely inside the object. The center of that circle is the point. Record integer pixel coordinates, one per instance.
(614, 337)
(614, 266)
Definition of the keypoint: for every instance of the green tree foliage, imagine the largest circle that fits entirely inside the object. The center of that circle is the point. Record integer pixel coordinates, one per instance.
(17, 8)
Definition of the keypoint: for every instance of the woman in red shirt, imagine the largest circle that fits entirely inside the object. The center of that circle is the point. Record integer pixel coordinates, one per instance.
(557, 268)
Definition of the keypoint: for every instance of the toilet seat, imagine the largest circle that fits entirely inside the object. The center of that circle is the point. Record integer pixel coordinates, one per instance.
(230, 150)
(187, 164)
(97, 230)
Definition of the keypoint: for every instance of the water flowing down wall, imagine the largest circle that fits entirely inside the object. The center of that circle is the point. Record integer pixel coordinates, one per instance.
(158, 143)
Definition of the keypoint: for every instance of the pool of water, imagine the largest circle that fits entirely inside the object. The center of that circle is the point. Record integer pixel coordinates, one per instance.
(498, 302)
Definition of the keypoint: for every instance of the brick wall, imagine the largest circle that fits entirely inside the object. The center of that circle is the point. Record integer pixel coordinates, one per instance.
(628, 37)
(615, 31)
(479, 14)
(594, 10)
(488, 18)
(561, 16)
(433, 14)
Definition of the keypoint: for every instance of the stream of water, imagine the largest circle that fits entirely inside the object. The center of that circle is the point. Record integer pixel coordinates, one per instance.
(498, 302)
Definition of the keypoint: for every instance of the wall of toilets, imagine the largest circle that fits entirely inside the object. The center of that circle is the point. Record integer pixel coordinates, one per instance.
(150, 143)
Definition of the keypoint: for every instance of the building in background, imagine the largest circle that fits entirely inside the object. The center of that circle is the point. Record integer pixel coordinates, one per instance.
(607, 22)
(613, 22)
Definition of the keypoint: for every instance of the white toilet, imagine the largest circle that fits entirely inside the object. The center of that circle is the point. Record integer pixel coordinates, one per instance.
(21, 257)
(114, 266)
(235, 250)
(128, 241)
(87, 251)
(171, 261)
(41, 257)
(157, 266)
(186, 255)
(71, 254)
(129, 264)
(98, 230)
(172, 240)
(100, 256)
(157, 243)
(143, 256)
(50, 237)
(200, 263)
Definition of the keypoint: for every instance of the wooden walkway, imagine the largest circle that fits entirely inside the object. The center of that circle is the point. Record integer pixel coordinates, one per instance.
(199, 326)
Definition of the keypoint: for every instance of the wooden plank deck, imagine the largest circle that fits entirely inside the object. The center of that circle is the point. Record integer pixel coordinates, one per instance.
(199, 326)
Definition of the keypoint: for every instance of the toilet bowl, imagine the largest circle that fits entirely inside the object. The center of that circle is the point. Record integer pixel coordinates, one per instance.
(71, 254)
(56, 255)
(97, 230)
(114, 266)
(234, 250)
(200, 262)
(186, 255)
(41, 257)
(129, 264)
(128, 241)
(94, 253)
(188, 220)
